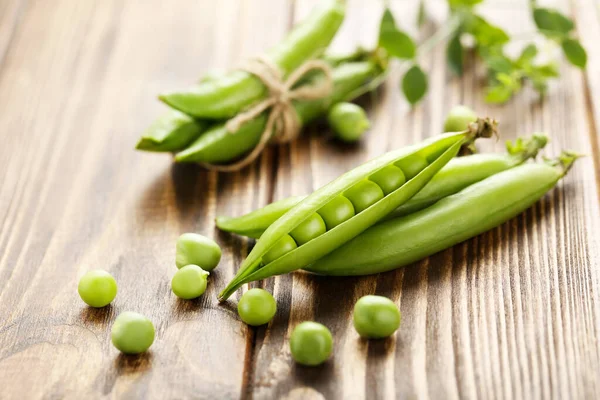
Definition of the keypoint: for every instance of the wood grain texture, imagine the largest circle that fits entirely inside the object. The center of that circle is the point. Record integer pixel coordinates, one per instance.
(513, 313)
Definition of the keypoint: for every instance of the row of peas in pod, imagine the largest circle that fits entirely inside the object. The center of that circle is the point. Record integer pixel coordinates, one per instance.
(196, 129)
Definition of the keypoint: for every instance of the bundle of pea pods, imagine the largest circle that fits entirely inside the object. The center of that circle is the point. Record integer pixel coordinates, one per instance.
(396, 209)
(195, 128)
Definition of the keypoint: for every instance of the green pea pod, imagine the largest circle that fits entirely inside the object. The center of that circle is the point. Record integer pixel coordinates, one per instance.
(254, 224)
(313, 227)
(225, 97)
(454, 219)
(456, 175)
(173, 131)
(218, 145)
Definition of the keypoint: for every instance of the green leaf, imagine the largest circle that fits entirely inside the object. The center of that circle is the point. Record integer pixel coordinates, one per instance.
(549, 70)
(498, 94)
(497, 62)
(414, 84)
(398, 44)
(512, 82)
(527, 54)
(486, 34)
(454, 54)
(551, 22)
(422, 14)
(575, 52)
(463, 3)
(540, 85)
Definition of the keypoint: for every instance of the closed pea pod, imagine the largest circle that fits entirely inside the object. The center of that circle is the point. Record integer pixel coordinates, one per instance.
(455, 176)
(253, 223)
(226, 96)
(476, 209)
(438, 151)
(173, 131)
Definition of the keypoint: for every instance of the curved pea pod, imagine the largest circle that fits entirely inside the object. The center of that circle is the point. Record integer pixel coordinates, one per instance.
(173, 131)
(228, 95)
(253, 223)
(370, 207)
(454, 219)
(217, 145)
(456, 175)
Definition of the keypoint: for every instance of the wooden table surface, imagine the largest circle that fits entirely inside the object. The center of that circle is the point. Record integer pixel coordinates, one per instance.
(513, 313)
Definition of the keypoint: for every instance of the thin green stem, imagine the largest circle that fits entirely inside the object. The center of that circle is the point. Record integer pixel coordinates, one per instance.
(440, 35)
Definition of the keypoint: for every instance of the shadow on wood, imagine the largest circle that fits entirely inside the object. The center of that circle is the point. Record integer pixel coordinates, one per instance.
(133, 363)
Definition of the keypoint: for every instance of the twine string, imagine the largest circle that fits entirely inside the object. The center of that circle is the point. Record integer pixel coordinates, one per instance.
(283, 124)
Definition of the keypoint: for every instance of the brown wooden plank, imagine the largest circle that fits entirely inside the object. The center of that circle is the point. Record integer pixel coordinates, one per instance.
(10, 16)
(512, 313)
(587, 14)
(78, 87)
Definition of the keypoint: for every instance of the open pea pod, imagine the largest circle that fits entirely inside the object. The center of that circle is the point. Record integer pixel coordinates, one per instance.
(342, 209)
(459, 173)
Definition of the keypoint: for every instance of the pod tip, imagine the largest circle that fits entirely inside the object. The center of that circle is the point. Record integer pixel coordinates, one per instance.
(564, 161)
(529, 147)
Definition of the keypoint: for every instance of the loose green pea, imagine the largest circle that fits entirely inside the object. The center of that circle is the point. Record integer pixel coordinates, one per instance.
(459, 118)
(97, 288)
(257, 307)
(389, 178)
(132, 333)
(282, 247)
(376, 317)
(196, 249)
(348, 121)
(336, 211)
(412, 165)
(311, 343)
(363, 195)
(189, 282)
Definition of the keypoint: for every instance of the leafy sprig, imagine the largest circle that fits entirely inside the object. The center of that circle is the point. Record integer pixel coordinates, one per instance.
(506, 75)
(398, 44)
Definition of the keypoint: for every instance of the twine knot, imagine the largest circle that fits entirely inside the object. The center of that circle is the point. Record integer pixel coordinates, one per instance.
(283, 124)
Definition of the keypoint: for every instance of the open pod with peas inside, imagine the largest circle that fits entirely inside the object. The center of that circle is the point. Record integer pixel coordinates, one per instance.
(342, 209)
(459, 173)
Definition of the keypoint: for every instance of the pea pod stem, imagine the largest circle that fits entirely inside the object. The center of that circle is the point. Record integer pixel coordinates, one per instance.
(436, 152)
(456, 175)
(227, 96)
(454, 219)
